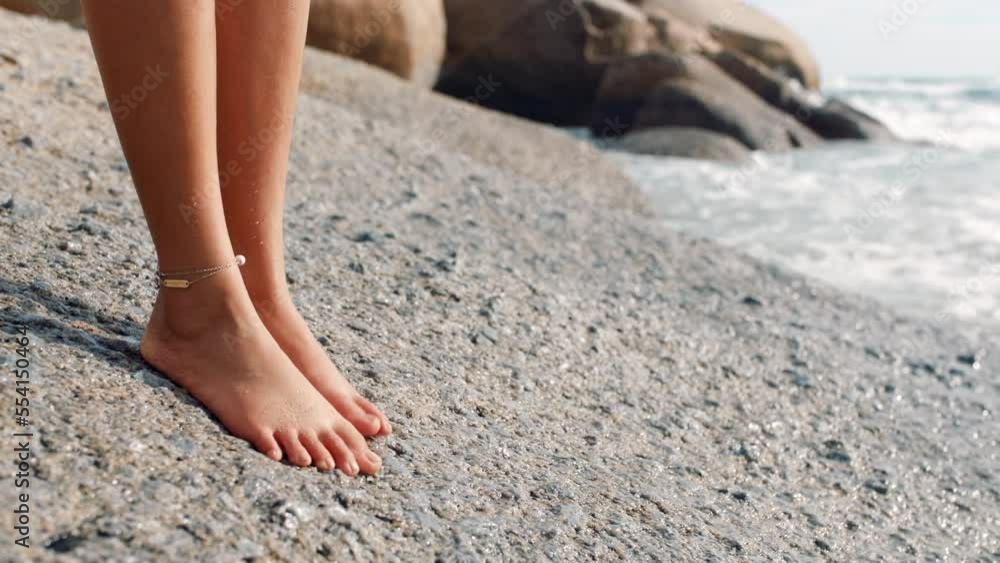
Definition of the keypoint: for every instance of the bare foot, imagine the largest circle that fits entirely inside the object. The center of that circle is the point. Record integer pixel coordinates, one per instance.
(293, 335)
(209, 339)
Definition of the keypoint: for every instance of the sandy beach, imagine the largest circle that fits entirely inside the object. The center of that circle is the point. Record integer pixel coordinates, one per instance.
(568, 378)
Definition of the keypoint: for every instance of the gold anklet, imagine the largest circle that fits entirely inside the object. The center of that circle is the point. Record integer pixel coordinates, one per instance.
(176, 281)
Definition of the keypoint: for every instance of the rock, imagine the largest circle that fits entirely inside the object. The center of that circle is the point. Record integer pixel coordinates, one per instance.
(472, 24)
(546, 57)
(878, 484)
(71, 246)
(675, 34)
(691, 91)
(972, 360)
(368, 236)
(745, 29)
(686, 103)
(830, 119)
(67, 10)
(406, 38)
(486, 334)
(625, 86)
(836, 451)
(685, 142)
(836, 119)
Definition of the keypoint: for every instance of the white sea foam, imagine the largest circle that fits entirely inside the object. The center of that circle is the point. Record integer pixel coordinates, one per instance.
(961, 112)
(917, 226)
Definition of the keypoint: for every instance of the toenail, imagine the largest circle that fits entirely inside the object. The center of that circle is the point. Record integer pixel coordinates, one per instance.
(354, 467)
(373, 458)
(274, 454)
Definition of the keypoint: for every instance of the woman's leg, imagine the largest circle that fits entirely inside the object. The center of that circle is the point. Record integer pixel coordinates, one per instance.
(260, 57)
(208, 337)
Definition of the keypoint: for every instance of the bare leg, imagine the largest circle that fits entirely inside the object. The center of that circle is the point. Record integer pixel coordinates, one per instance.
(207, 338)
(260, 57)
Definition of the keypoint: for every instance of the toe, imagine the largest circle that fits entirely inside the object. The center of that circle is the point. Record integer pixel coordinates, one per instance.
(384, 427)
(341, 453)
(294, 450)
(368, 462)
(264, 441)
(368, 424)
(321, 457)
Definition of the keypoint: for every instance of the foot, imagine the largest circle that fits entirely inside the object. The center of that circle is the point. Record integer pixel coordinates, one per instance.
(209, 340)
(292, 333)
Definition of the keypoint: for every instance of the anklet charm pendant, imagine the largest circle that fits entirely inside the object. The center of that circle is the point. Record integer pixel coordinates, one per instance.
(175, 280)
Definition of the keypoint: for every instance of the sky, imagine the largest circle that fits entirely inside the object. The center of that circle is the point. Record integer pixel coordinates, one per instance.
(926, 38)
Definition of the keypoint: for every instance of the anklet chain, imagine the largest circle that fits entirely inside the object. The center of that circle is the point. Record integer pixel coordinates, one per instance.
(176, 280)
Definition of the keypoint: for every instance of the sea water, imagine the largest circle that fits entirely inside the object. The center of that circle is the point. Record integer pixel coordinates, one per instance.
(914, 224)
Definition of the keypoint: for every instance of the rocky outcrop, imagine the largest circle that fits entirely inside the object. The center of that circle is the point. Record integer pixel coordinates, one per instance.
(690, 91)
(742, 28)
(625, 86)
(549, 55)
(684, 142)
(405, 37)
(729, 111)
(831, 119)
(566, 379)
(615, 65)
(836, 119)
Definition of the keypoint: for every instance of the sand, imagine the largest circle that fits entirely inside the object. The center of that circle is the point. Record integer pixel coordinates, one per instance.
(568, 379)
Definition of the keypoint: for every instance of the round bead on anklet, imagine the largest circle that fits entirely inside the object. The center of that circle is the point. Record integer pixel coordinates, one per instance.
(179, 280)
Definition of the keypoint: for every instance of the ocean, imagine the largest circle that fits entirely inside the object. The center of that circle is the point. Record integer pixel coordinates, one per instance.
(914, 224)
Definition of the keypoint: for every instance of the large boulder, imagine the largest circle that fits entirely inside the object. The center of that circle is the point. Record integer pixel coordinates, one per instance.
(624, 88)
(685, 142)
(733, 112)
(657, 89)
(831, 119)
(67, 10)
(836, 119)
(405, 37)
(745, 29)
(547, 56)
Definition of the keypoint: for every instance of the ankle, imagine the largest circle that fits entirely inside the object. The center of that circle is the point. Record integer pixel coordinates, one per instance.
(219, 301)
(268, 295)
